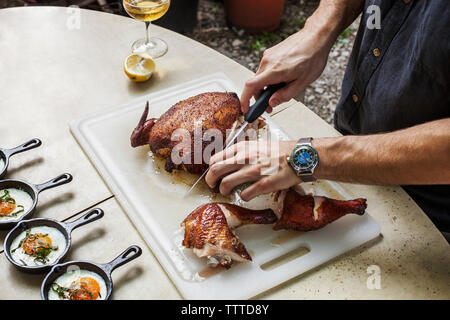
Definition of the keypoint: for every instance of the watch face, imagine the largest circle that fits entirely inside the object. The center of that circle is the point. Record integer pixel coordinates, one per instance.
(304, 158)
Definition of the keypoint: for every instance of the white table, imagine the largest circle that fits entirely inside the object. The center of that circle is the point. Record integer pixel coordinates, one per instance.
(51, 75)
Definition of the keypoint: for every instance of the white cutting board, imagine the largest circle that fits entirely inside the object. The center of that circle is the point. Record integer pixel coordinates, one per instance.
(153, 199)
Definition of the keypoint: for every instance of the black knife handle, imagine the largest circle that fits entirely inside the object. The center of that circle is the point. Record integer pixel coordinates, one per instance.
(258, 108)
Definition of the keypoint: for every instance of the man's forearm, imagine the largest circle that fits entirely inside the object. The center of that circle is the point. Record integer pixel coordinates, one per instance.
(332, 17)
(417, 155)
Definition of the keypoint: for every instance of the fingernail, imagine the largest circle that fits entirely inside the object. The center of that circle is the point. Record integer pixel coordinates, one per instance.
(275, 102)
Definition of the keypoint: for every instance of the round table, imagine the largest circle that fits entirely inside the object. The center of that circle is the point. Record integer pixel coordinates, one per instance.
(54, 70)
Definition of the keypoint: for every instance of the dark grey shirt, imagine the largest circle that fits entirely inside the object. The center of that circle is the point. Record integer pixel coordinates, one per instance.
(398, 76)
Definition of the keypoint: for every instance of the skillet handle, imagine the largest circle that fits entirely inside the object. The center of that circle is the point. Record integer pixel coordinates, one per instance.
(58, 181)
(33, 143)
(89, 217)
(129, 254)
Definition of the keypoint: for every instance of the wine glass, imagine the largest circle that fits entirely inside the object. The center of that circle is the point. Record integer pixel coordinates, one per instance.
(147, 11)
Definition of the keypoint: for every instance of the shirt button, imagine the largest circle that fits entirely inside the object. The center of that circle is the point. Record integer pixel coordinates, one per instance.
(355, 98)
(376, 52)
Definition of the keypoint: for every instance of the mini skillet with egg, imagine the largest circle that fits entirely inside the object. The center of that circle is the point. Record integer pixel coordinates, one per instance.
(65, 228)
(5, 154)
(33, 190)
(103, 270)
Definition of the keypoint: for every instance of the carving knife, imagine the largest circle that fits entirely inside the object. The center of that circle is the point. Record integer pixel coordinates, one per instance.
(254, 112)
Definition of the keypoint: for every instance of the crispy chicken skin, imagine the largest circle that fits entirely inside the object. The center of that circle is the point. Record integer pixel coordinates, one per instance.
(208, 230)
(307, 212)
(212, 110)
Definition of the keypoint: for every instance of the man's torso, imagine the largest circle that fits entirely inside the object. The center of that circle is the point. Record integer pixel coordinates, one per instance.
(399, 76)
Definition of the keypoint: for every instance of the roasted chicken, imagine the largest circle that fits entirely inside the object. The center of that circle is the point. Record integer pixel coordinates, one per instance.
(212, 110)
(308, 212)
(208, 230)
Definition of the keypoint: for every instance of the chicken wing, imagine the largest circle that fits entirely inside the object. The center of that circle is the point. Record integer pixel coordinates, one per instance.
(208, 230)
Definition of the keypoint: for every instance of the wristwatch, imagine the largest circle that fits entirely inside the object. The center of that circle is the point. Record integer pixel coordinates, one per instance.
(303, 159)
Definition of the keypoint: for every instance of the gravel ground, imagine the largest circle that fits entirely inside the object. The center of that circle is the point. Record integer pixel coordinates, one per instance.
(246, 49)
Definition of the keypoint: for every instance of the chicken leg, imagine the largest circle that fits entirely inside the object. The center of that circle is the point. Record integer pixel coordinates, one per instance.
(141, 133)
(307, 212)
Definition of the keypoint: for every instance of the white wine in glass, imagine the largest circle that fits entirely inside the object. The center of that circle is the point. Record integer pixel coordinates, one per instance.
(147, 11)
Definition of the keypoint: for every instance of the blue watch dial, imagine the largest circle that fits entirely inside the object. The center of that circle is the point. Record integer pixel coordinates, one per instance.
(304, 158)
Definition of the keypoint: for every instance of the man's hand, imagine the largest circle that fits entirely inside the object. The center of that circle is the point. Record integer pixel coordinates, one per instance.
(263, 163)
(300, 59)
(417, 155)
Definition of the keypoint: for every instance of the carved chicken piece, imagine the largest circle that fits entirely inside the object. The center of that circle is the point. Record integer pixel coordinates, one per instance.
(212, 110)
(208, 230)
(307, 212)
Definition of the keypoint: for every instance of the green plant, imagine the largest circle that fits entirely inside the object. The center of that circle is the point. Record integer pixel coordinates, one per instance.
(256, 46)
(344, 35)
(267, 40)
(300, 22)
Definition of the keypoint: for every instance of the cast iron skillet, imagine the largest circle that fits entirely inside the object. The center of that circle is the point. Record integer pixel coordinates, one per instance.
(33, 190)
(5, 154)
(103, 270)
(65, 228)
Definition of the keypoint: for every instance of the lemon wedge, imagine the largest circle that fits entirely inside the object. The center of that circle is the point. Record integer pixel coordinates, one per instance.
(139, 66)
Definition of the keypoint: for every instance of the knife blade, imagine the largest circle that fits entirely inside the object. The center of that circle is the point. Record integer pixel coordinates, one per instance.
(254, 112)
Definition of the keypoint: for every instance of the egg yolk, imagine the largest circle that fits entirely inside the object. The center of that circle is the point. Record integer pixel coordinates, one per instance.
(36, 242)
(7, 207)
(84, 288)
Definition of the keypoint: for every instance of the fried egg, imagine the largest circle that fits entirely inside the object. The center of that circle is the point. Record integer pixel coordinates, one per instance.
(38, 246)
(78, 284)
(12, 210)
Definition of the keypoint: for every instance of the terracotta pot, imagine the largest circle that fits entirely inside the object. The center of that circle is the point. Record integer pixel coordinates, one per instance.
(255, 15)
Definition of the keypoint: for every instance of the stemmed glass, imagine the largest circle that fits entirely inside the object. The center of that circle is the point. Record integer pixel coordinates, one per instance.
(147, 11)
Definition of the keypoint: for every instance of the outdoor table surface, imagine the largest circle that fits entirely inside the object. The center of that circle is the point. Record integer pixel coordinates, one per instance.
(51, 74)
